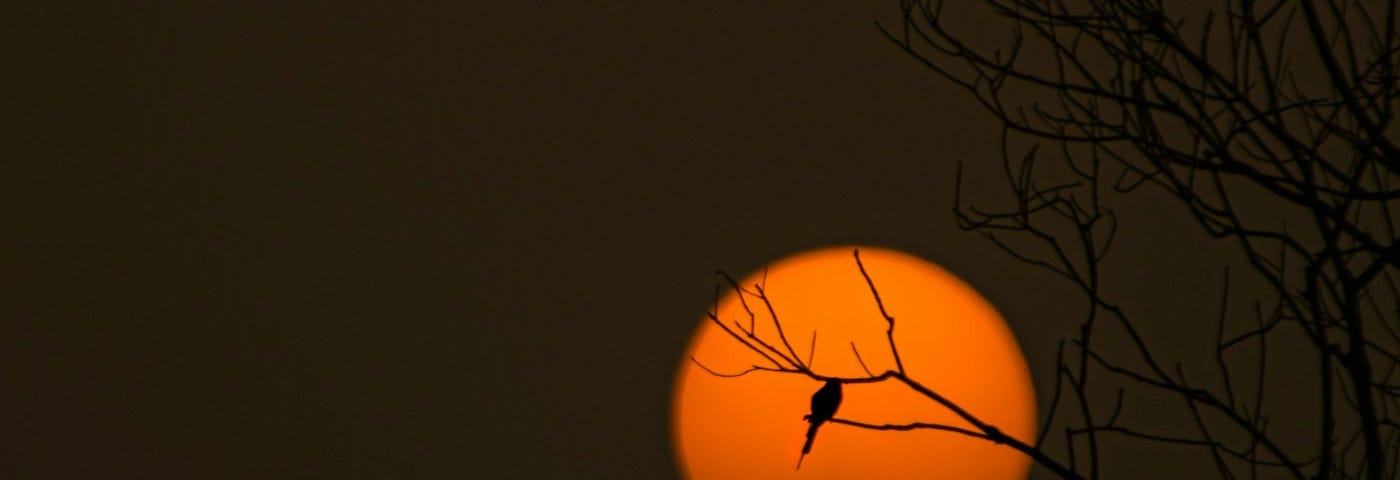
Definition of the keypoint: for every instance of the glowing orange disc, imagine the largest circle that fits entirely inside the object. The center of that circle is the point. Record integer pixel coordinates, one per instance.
(949, 338)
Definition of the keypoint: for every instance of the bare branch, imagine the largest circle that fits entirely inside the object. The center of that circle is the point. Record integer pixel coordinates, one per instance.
(889, 333)
(860, 360)
(912, 426)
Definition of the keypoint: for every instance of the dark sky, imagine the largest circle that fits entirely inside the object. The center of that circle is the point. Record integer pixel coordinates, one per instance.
(340, 240)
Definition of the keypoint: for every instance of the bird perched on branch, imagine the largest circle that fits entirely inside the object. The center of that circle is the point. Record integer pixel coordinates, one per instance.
(824, 405)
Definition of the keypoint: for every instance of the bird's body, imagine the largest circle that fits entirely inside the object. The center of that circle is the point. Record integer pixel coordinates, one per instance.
(824, 405)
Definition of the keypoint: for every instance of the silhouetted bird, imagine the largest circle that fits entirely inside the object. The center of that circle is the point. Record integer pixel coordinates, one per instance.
(824, 404)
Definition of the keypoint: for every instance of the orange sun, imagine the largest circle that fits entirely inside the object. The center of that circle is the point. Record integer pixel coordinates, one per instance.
(948, 337)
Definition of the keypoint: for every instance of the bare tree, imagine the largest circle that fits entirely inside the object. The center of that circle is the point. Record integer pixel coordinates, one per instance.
(1270, 122)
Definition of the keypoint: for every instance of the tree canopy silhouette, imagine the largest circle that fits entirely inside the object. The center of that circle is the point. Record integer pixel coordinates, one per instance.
(1270, 123)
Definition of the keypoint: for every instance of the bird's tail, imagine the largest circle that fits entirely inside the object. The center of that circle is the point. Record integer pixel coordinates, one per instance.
(807, 447)
(811, 435)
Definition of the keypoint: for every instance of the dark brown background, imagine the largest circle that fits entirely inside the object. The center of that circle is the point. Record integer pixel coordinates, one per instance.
(341, 240)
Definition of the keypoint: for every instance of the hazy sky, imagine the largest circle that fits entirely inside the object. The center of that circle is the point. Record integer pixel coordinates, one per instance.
(346, 240)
